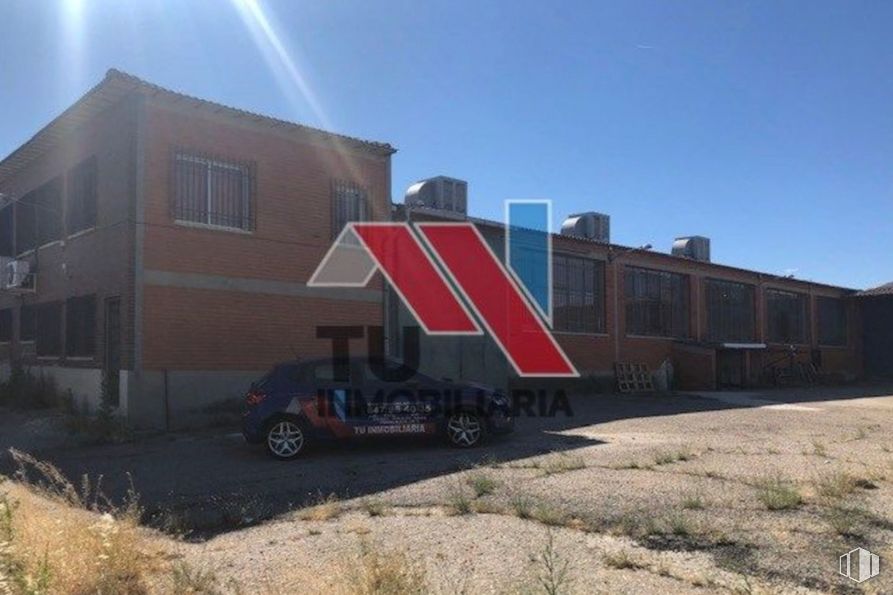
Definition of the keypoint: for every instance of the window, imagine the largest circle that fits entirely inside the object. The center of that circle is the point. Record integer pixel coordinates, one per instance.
(578, 291)
(656, 303)
(38, 217)
(80, 326)
(349, 203)
(832, 321)
(730, 311)
(49, 329)
(28, 323)
(6, 226)
(81, 204)
(213, 192)
(6, 325)
(786, 317)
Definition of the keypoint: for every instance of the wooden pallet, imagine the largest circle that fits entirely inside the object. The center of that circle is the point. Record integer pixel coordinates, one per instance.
(633, 378)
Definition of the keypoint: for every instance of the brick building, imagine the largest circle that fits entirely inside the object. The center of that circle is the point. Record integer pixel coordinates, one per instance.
(169, 240)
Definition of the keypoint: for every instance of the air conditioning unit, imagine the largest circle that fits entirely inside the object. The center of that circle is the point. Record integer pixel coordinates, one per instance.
(447, 195)
(694, 247)
(18, 276)
(591, 226)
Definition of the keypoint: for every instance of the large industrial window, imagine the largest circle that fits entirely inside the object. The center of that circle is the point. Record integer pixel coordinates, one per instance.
(579, 294)
(349, 203)
(832, 321)
(656, 303)
(6, 325)
(730, 311)
(80, 326)
(6, 226)
(49, 329)
(213, 191)
(38, 217)
(787, 316)
(81, 204)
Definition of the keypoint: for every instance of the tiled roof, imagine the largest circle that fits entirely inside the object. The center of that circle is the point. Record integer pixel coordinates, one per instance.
(117, 85)
(885, 289)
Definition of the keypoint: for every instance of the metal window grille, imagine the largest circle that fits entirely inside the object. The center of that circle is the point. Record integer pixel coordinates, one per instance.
(80, 326)
(578, 294)
(787, 314)
(6, 325)
(7, 224)
(832, 321)
(730, 311)
(81, 183)
(350, 202)
(38, 216)
(657, 303)
(213, 191)
(49, 329)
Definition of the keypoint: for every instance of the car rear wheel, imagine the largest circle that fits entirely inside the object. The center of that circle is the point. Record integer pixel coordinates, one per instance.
(465, 429)
(285, 439)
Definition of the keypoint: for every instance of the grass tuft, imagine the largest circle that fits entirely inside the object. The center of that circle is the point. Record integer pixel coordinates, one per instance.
(482, 483)
(326, 508)
(776, 493)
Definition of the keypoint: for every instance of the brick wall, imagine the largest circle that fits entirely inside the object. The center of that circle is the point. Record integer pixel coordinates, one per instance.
(193, 328)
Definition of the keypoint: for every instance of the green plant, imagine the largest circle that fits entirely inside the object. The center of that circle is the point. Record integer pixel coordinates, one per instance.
(621, 559)
(693, 501)
(562, 463)
(385, 572)
(458, 499)
(522, 506)
(777, 493)
(193, 581)
(554, 570)
(375, 507)
(482, 483)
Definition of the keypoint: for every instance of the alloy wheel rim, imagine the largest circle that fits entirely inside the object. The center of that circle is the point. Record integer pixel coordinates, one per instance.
(464, 429)
(285, 439)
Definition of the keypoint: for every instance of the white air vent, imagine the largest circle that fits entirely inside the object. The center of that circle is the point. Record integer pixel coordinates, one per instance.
(18, 276)
(591, 226)
(439, 193)
(694, 247)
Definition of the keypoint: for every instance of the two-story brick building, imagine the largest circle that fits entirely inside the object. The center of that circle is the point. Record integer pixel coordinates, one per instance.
(170, 240)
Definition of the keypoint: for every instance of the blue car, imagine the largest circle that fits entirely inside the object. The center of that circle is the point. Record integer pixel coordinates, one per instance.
(297, 403)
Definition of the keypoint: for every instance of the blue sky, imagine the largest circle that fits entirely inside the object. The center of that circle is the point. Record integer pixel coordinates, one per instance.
(767, 126)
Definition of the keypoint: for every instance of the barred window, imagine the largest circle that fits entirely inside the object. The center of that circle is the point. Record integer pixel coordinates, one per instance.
(28, 322)
(787, 316)
(350, 202)
(832, 321)
(579, 294)
(38, 217)
(656, 303)
(6, 325)
(6, 226)
(730, 311)
(49, 329)
(80, 326)
(213, 191)
(81, 203)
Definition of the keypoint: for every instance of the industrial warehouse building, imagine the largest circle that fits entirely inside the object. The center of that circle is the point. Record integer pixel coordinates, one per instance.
(163, 243)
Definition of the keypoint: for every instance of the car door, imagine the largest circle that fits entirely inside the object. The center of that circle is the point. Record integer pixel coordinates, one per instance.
(335, 403)
(397, 408)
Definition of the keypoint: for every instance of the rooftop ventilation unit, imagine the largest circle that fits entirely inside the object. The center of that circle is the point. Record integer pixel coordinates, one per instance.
(439, 193)
(694, 247)
(590, 226)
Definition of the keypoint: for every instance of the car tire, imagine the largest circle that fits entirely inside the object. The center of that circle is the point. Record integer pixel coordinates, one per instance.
(465, 429)
(285, 438)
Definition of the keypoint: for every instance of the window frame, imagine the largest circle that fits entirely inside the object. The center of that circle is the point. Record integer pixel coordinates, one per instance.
(803, 335)
(247, 191)
(71, 328)
(40, 314)
(711, 333)
(86, 194)
(7, 326)
(666, 308)
(844, 319)
(562, 291)
(342, 216)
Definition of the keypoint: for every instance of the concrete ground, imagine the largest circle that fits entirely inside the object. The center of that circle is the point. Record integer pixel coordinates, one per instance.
(717, 492)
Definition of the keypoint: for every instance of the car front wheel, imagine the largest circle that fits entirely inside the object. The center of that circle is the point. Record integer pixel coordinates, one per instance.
(285, 439)
(465, 429)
